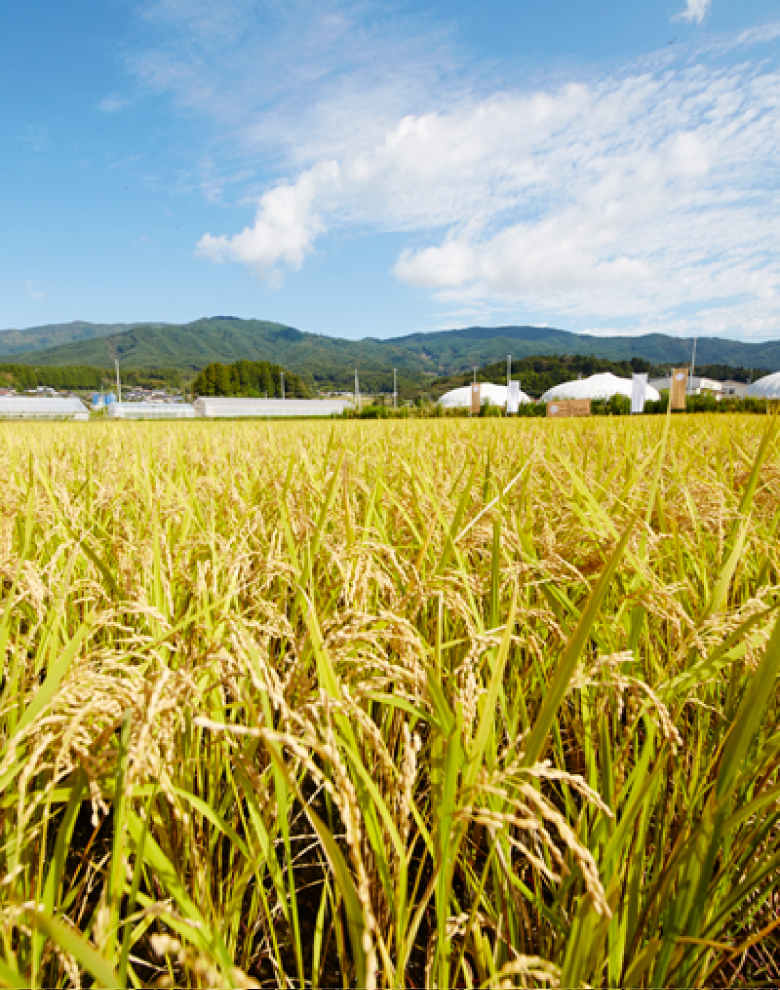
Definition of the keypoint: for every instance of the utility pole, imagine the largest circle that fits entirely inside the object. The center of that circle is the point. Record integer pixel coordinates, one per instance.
(357, 391)
(118, 384)
(508, 369)
(693, 366)
(395, 390)
(282, 385)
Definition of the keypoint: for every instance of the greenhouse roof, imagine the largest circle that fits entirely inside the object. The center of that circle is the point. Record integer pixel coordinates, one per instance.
(767, 387)
(150, 410)
(460, 398)
(601, 386)
(35, 406)
(238, 406)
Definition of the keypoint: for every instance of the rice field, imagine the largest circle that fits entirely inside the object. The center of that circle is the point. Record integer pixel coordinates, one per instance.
(393, 704)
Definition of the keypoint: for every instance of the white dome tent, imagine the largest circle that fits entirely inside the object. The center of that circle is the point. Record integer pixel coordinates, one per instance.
(460, 398)
(601, 386)
(767, 387)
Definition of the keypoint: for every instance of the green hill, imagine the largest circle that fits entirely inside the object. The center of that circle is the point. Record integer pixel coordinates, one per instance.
(457, 350)
(318, 359)
(330, 361)
(13, 342)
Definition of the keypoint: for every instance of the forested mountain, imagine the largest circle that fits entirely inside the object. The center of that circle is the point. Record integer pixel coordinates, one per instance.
(330, 361)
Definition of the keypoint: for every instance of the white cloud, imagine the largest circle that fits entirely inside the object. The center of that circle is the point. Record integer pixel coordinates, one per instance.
(650, 192)
(32, 291)
(284, 230)
(695, 10)
(647, 197)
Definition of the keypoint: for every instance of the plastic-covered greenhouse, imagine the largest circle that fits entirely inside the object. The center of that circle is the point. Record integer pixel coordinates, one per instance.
(150, 410)
(602, 386)
(35, 407)
(767, 387)
(236, 408)
(460, 398)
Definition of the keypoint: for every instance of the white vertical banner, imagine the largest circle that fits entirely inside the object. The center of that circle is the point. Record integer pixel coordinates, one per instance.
(638, 392)
(513, 399)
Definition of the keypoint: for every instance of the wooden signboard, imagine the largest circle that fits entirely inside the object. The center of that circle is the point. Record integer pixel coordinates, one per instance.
(679, 387)
(568, 407)
(476, 398)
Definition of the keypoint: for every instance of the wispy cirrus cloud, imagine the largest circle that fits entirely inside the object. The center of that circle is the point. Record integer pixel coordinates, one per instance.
(113, 104)
(34, 137)
(294, 82)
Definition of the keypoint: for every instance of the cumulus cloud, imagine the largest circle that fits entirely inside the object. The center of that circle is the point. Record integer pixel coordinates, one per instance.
(695, 10)
(285, 227)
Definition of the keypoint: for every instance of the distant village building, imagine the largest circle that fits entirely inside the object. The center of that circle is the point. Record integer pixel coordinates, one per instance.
(696, 385)
(735, 390)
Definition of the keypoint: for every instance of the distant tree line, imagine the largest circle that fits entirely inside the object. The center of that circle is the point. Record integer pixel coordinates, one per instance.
(538, 373)
(724, 372)
(22, 376)
(248, 378)
(83, 377)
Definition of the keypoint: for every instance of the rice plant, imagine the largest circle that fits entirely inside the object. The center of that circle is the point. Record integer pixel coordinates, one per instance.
(392, 704)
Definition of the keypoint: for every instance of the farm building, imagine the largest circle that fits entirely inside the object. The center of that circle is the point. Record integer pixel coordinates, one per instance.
(150, 410)
(460, 398)
(35, 407)
(602, 386)
(767, 387)
(237, 408)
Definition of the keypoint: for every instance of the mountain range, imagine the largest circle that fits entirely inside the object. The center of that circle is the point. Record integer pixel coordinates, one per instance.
(323, 360)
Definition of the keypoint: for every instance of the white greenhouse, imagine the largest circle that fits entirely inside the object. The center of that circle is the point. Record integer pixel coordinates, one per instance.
(150, 410)
(602, 386)
(460, 398)
(237, 408)
(767, 387)
(33, 407)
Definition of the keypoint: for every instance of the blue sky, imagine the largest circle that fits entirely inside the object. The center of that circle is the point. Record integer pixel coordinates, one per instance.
(377, 168)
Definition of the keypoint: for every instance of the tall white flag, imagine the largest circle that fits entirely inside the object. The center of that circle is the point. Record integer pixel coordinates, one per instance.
(638, 392)
(513, 399)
